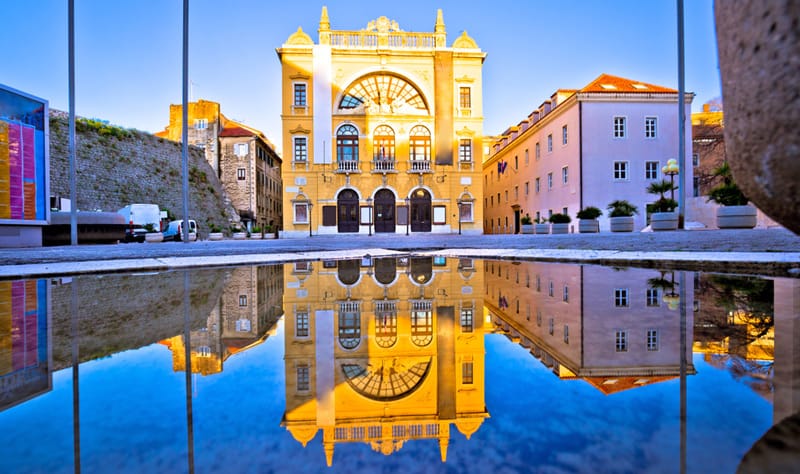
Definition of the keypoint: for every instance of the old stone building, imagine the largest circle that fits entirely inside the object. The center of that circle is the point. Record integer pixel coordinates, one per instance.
(383, 130)
(243, 158)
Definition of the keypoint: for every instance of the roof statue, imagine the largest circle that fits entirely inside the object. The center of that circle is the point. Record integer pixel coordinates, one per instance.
(299, 37)
(383, 25)
(465, 42)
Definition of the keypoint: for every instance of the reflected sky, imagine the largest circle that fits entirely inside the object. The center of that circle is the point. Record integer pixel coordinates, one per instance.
(503, 394)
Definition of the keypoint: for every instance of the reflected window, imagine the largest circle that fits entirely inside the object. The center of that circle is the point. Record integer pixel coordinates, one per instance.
(621, 297)
(349, 325)
(550, 289)
(551, 326)
(303, 379)
(301, 325)
(385, 270)
(421, 323)
(467, 319)
(349, 271)
(385, 323)
(421, 270)
(652, 340)
(621, 341)
(243, 325)
(466, 373)
(566, 334)
(242, 300)
(565, 294)
(538, 318)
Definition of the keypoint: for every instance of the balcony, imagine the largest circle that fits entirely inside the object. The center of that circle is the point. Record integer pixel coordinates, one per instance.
(347, 167)
(420, 166)
(465, 165)
(384, 166)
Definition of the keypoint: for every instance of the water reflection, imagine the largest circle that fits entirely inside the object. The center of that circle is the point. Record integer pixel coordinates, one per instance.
(388, 353)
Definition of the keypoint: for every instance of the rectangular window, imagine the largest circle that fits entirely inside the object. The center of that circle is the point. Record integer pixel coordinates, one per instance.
(538, 151)
(465, 212)
(201, 124)
(303, 380)
(464, 97)
(241, 149)
(565, 294)
(652, 340)
(536, 185)
(466, 319)
(538, 283)
(621, 341)
(465, 149)
(300, 149)
(466, 373)
(550, 289)
(527, 187)
(653, 297)
(651, 170)
(650, 127)
(565, 175)
(564, 135)
(241, 174)
(550, 326)
(539, 318)
(619, 127)
(566, 334)
(301, 324)
(243, 325)
(550, 143)
(300, 95)
(621, 297)
(516, 193)
(301, 213)
(549, 180)
(620, 170)
(526, 156)
(242, 300)
(695, 159)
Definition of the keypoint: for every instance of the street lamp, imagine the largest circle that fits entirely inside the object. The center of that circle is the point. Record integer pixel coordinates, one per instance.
(459, 202)
(408, 213)
(671, 169)
(369, 206)
(309, 218)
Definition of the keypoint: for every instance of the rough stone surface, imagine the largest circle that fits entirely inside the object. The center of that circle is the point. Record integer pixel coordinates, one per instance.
(113, 171)
(759, 56)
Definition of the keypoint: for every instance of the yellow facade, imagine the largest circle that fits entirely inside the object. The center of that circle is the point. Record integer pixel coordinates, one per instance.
(383, 351)
(381, 131)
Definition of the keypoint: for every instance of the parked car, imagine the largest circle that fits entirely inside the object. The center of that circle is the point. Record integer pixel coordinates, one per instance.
(137, 216)
(174, 230)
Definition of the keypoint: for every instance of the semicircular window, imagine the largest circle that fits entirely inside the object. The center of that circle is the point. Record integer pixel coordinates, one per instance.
(348, 271)
(391, 380)
(386, 93)
(385, 270)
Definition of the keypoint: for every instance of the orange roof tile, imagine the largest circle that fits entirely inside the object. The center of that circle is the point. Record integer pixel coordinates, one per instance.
(236, 132)
(614, 84)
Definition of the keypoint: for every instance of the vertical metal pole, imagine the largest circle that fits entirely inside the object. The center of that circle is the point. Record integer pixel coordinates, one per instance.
(188, 369)
(76, 398)
(185, 129)
(73, 180)
(681, 123)
(683, 368)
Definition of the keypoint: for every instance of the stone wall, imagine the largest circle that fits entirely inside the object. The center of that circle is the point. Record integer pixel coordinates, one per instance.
(116, 167)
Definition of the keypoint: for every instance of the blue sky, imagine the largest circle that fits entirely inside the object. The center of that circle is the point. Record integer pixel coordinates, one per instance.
(128, 52)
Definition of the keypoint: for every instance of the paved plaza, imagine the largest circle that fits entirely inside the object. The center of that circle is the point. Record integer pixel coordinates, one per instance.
(765, 251)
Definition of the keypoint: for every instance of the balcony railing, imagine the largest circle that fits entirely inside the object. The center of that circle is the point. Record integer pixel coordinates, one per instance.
(465, 165)
(350, 166)
(420, 166)
(372, 39)
(384, 166)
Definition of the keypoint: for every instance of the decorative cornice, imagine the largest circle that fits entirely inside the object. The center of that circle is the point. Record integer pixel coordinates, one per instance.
(299, 129)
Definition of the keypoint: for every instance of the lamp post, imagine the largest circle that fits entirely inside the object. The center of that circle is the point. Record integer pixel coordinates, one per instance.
(408, 213)
(459, 202)
(671, 169)
(309, 218)
(371, 213)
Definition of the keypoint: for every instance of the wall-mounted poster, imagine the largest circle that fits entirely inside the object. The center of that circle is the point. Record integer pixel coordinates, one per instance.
(439, 214)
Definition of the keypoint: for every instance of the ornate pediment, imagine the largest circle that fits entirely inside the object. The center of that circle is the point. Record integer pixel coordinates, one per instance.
(382, 25)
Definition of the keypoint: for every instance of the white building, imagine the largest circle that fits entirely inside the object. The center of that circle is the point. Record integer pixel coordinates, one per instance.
(582, 148)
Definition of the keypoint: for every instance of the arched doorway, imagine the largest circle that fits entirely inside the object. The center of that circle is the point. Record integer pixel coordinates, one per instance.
(384, 211)
(347, 207)
(421, 211)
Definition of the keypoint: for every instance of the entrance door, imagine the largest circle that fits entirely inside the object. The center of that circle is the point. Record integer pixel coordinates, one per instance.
(384, 211)
(347, 205)
(421, 211)
(517, 216)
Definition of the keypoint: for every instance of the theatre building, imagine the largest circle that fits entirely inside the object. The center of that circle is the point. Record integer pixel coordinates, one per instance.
(381, 131)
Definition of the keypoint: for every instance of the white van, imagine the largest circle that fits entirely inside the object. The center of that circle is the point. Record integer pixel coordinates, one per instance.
(174, 230)
(137, 216)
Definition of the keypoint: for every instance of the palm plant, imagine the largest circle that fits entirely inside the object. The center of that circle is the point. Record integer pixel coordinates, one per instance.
(663, 204)
(727, 193)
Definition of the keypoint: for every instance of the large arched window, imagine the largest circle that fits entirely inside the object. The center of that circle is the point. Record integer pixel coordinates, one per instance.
(349, 324)
(347, 143)
(384, 93)
(383, 143)
(419, 144)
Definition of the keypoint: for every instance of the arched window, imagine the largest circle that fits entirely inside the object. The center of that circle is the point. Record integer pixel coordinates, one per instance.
(347, 143)
(383, 93)
(421, 327)
(383, 144)
(349, 325)
(419, 144)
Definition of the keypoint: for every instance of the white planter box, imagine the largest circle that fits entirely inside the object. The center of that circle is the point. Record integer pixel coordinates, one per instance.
(736, 217)
(215, 236)
(542, 228)
(621, 224)
(588, 226)
(664, 221)
(561, 228)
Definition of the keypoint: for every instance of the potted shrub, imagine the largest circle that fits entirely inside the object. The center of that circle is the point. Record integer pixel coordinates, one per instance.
(269, 232)
(734, 212)
(215, 232)
(587, 220)
(621, 215)
(527, 224)
(662, 211)
(255, 232)
(541, 226)
(238, 233)
(152, 234)
(559, 223)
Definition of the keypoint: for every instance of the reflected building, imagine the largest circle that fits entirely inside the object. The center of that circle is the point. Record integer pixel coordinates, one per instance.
(25, 352)
(383, 351)
(615, 328)
(244, 316)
